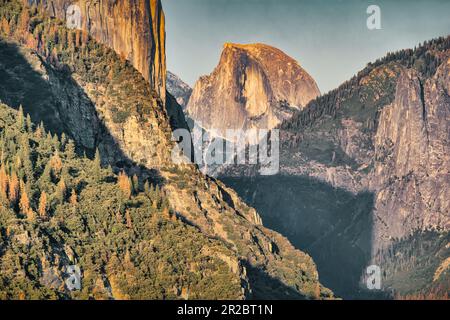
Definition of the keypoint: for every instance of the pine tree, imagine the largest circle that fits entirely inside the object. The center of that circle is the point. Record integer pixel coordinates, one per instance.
(151, 193)
(39, 131)
(24, 21)
(21, 119)
(63, 141)
(128, 218)
(97, 165)
(45, 179)
(24, 203)
(3, 182)
(18, 162)
(55, 142)
(24, 154)
(124, 185)
(29, 124)
(65, 175)
(27, 166)
(135, 182)
(43, 205)
(157, 200)
(147, 188)
(14, 185)
(73, 198)
(62, 189)
(5, 27)
(56, 164)
(69, 150)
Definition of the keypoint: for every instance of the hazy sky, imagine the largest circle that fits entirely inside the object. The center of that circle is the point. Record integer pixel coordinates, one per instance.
(328, 38)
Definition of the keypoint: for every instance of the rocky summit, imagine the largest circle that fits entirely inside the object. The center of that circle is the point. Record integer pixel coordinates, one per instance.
(253, 86)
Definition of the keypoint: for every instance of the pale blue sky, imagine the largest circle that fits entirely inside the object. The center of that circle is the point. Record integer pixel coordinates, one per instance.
(328, 38)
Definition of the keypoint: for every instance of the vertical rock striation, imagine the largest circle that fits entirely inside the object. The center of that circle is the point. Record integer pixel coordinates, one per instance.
(134, 29)
(254, 86)
(412, 142)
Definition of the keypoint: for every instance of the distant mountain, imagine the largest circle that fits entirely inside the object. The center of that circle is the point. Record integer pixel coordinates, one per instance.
(253, 86)
(364, 176)
(180, 90)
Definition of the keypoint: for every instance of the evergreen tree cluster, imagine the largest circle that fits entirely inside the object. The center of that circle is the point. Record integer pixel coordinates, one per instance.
(420, 258)
(425, 59)
(59, 209)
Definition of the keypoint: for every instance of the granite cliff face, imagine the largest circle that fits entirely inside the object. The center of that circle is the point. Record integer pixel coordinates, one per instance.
(379, 147)
(133, 29)
(412, 149)
(253, 86)
(402, 157)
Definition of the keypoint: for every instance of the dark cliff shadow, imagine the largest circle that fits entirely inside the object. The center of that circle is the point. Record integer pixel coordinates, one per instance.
(332, 225)
(22, 84)
(266, 287)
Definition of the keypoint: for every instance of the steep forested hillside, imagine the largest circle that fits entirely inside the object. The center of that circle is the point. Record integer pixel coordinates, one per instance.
(206, 237)
(60, 209)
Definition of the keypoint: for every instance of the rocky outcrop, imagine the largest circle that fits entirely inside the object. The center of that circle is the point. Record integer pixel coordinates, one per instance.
(180, 90)
(134, 29)
(218, 211)
(253, 86)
